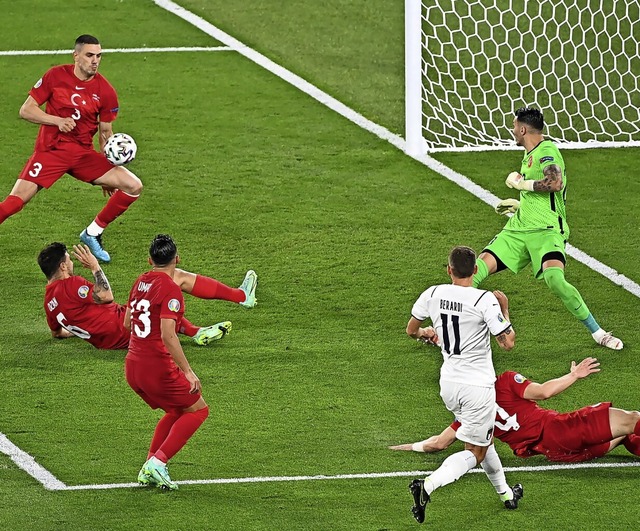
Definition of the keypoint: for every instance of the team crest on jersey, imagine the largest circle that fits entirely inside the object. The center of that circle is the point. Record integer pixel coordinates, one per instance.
(530, 161)
(174, 305)
(38, 83)
(546, 159)
(519, 378)
(83, 291)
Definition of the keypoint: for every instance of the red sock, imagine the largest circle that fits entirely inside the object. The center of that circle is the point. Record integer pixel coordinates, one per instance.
(180, 433)
(162, 430)
(210, 288)
(632, 443)
(10, 206)
(117, 204)
(187, 328)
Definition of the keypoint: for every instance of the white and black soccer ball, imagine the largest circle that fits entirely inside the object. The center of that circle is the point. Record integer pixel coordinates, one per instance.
(120, 149)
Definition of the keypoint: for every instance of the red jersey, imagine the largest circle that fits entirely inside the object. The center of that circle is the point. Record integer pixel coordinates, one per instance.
(519, 422)
(87, 102)
(69, 304)
(531, 430)
(154, 296)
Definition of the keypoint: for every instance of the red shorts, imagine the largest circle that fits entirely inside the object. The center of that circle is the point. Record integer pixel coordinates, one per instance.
(84, 163)
(577, 436)
(161, 385)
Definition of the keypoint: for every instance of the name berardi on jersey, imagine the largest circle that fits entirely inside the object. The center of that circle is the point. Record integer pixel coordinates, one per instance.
(450, 305)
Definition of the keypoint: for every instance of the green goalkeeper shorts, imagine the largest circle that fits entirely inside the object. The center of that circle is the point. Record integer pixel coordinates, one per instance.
(516, 249)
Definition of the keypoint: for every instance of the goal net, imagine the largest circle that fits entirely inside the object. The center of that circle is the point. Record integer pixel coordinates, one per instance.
(470, 64)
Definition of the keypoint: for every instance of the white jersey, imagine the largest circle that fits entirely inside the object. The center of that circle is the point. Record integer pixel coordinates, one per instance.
(463, 318)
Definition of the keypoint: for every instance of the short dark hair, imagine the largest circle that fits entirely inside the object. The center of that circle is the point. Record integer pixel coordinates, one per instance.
(462, 261)
(531, 116)
(162, 250)
(51, 257)
(85, 39)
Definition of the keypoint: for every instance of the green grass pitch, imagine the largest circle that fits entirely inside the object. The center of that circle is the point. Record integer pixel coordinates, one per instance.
(345, 231)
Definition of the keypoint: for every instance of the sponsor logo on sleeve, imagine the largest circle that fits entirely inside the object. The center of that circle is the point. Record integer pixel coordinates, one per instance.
(115, 109)
(546, 159)
(519, 378)
(174, 305)
(83, 291)
(38, 83)
(501, 318)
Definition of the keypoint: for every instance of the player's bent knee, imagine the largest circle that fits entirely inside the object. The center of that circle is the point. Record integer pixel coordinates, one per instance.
(132, 185)
(199, 405)
(554, 279)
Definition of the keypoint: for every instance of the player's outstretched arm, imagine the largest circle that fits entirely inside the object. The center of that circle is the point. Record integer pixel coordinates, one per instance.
(31, 112)
(435, 443)
(102, 293)
(552, 181)
(536, 391)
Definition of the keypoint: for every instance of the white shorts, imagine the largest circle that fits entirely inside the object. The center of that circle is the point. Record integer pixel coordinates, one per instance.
(474, 407)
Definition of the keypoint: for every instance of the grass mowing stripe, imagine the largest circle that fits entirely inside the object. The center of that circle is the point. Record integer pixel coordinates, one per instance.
(122, 50)
(383, 133)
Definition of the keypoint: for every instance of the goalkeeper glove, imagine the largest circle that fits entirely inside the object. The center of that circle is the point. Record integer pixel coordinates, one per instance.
(517, 181)
(507, 206)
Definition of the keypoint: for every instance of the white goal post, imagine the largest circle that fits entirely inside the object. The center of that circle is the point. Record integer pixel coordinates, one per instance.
(469, 64)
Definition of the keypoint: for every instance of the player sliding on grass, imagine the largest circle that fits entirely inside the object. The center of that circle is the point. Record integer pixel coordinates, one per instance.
(76, 307)
(80, 102)
(528, 429)
(538, 231)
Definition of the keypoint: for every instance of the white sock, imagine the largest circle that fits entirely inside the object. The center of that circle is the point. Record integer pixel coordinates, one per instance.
(598, 335)
(94, 229)
(492, 467)
(452, 468)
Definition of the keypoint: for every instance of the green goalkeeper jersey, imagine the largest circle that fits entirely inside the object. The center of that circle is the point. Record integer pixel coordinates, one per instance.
(541, 210)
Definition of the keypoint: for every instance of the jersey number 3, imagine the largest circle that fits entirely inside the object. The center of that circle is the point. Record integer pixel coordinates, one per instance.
(141, 311)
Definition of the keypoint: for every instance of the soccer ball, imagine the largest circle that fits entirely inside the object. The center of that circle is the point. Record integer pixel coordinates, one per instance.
(120, 149)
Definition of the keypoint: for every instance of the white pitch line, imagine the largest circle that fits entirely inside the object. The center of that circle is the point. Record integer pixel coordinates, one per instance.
(373, 475)
(381, 132)
(122, 50)
(27, 463)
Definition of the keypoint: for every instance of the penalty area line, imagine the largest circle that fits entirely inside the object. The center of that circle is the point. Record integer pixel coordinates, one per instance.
(26, 462)
(373, 475)
(123, 50)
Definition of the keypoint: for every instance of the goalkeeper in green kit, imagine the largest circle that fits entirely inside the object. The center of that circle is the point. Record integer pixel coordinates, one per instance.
(538, 230)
